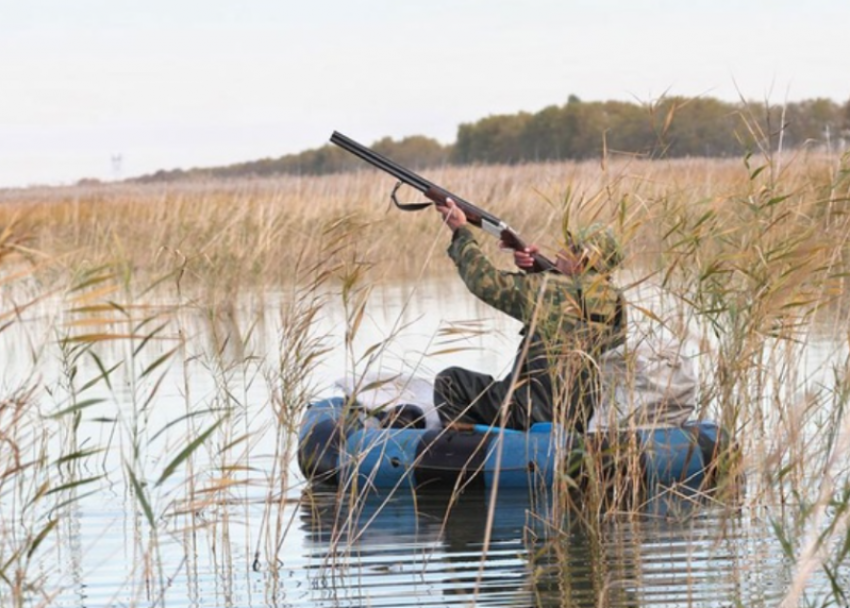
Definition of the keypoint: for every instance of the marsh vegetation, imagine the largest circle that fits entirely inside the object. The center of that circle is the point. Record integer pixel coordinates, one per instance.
(159, 343)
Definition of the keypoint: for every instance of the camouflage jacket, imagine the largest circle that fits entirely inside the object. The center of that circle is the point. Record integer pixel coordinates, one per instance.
(567, 322)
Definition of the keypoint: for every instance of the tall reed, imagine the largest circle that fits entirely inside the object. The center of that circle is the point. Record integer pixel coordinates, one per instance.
(750, 255)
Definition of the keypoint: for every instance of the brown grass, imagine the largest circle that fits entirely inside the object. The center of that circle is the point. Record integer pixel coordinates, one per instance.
(228, 234)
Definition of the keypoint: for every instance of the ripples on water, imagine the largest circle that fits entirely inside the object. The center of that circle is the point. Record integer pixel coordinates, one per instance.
(427, 551)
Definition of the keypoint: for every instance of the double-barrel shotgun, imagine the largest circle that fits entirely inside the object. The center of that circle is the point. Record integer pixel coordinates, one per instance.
(438, 196)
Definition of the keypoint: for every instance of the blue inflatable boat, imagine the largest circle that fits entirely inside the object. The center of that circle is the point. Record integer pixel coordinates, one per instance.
(337, 447)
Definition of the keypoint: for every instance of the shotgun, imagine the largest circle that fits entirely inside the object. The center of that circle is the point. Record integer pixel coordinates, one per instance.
(437, 195)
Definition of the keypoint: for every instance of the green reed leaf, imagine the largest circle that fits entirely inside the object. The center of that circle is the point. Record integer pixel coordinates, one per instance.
(159, 361)
(153, 392)
(140, 495)
(754, 174)
(147, 337)
(104, 373)
(76, 498)
(187, 451)
(835, 584)
(103, 376)
(79, 455)
(80, 405)
(233, 444)
(74, 484)
(179, 420)
(41, 536)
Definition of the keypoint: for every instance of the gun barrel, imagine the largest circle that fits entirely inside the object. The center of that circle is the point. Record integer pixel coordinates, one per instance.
(431, 190)
(381, 162)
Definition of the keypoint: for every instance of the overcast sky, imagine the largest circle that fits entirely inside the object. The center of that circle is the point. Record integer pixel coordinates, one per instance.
(188, 83)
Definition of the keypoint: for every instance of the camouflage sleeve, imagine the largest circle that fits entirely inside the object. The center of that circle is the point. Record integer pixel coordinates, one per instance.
(585, 307)
(505, 291)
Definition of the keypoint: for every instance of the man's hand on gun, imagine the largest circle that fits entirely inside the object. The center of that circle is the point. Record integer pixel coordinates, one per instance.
(524, 258)
(455, 218)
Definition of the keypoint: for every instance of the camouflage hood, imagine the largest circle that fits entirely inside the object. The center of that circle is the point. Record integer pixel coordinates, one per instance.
(599, 245)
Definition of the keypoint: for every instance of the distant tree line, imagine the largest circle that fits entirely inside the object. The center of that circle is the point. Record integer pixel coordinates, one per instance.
(671, 127)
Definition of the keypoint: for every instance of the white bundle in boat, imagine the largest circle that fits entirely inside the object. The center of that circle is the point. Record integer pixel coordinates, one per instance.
(648, 382)
(382, 395)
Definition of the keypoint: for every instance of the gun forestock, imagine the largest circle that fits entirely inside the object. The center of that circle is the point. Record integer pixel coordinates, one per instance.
(478, 217)
(475, 215)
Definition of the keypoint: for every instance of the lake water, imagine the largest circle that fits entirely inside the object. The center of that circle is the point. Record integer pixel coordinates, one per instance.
(129, 518)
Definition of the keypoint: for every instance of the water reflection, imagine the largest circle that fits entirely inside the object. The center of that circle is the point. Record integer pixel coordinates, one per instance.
(397, 549)
(400, 549)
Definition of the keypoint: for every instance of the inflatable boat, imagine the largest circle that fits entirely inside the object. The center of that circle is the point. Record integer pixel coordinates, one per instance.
(342, 442)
